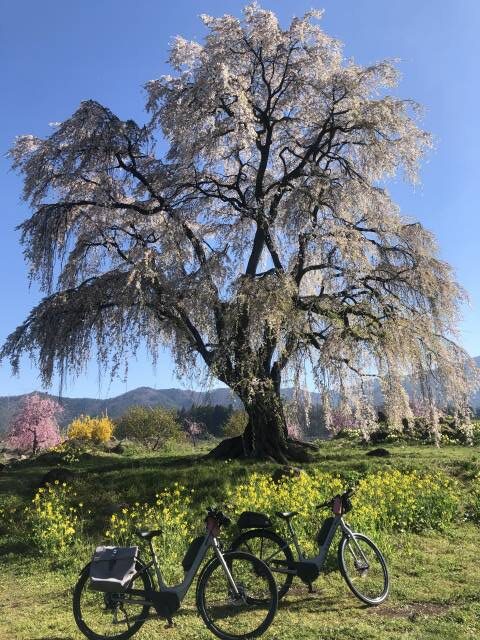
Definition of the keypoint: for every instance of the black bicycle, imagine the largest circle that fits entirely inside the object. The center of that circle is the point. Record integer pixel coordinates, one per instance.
(361, 563)
(236, 593)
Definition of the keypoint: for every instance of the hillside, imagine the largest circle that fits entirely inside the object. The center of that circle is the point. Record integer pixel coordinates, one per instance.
(146, 396)
(169, 398)
(114, 407)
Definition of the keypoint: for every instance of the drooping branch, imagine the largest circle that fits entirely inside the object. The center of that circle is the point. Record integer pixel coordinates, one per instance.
(259, 240)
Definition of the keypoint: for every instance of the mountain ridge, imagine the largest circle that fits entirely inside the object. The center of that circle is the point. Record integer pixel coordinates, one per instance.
(170, 398)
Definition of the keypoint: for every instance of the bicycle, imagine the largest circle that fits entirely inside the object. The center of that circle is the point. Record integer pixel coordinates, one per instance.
(361, 563)
(236, 594)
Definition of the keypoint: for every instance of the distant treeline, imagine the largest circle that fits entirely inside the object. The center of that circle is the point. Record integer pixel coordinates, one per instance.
(212, 417)
(215, 417)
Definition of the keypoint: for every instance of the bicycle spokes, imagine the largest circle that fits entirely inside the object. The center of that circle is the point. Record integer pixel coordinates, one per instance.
(238, 614)
(359, 559)
(109, 615)
(265, 549)
(117, 615)
(364, 568)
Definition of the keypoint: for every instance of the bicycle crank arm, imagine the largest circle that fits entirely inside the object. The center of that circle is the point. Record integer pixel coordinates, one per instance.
(293, 572)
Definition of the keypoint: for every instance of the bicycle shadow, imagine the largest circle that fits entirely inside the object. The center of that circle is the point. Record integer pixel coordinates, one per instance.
(55, 638)
(316, 603)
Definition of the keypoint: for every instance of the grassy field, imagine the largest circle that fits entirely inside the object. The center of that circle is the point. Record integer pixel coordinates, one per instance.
(435, 576)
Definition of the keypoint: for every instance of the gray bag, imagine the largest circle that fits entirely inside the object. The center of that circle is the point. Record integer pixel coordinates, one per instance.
(112, 568)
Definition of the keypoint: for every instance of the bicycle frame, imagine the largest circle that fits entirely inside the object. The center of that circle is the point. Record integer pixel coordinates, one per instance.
(319, 559)
(180, 590)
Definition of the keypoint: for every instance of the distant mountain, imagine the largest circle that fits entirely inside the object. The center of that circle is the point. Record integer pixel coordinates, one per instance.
(168, 398)
(115, 407)
(410, 386)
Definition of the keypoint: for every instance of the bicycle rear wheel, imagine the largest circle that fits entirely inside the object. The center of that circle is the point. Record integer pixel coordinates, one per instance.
(244, 615)
(364, 568)
(273, 550)
(109, 615)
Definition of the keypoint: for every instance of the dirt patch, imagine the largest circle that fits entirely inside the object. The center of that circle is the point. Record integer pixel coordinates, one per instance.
(410, 611)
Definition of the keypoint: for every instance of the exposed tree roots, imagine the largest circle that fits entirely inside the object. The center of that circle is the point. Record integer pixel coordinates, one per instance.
(283, 452)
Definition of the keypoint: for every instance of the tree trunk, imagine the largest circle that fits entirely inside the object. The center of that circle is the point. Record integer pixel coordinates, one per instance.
(265, 436)
(35, 442)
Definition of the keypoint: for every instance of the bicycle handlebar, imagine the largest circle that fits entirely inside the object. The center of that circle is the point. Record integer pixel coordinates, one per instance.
(344, 496)
(219, 516)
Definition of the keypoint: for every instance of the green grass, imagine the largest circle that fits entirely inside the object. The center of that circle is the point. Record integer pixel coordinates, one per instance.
(435, 577)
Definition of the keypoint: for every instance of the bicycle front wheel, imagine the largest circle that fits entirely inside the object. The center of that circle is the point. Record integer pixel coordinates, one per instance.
(245, 611)
(109, 615)
(364, 568)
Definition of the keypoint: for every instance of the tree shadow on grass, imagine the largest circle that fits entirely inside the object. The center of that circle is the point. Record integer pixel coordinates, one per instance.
(162, 462)
(14, 546)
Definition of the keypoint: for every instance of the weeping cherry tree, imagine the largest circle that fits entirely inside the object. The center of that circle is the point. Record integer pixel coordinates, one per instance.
(262, 243)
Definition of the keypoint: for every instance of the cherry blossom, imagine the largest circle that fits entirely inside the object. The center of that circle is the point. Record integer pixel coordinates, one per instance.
(262, 241)
(34, 426)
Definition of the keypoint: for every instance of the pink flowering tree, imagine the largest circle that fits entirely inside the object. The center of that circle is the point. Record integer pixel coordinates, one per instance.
(293, 429)
(342, 418)
(34, 426)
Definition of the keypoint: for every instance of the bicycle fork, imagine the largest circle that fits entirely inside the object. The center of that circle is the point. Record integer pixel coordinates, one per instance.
(357, 561)
(225, 567)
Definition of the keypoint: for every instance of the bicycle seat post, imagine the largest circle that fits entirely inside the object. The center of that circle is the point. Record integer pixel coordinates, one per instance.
(152, 550)
(294, 538)
(161, 583)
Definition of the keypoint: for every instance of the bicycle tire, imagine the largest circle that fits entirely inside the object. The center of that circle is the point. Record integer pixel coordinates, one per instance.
(283, 548)
(214, 573)
(354, 581)
(78, 614)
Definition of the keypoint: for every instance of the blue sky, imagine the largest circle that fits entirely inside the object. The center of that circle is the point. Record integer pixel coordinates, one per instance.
(55, 53)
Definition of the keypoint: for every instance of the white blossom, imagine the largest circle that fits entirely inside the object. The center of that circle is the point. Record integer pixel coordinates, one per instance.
(263, 238)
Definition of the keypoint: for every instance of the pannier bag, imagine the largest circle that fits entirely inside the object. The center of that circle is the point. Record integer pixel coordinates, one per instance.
(253, 520)
(112, 568)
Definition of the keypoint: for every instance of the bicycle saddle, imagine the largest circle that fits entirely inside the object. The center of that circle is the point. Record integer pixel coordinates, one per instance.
(148, 535)
(286, 515)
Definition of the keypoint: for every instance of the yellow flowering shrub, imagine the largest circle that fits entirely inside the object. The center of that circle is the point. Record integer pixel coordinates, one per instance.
(99, 429)
(473, 509)
(172, 513)
(302, 494)
(394, 500)
(80, 428)
(9, 512)
(51, 519)
(384, 501)
(102, 429)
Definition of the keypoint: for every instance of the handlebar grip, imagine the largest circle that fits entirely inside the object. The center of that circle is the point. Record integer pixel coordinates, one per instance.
(222, 519)
(324, 504)
(349, 492)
